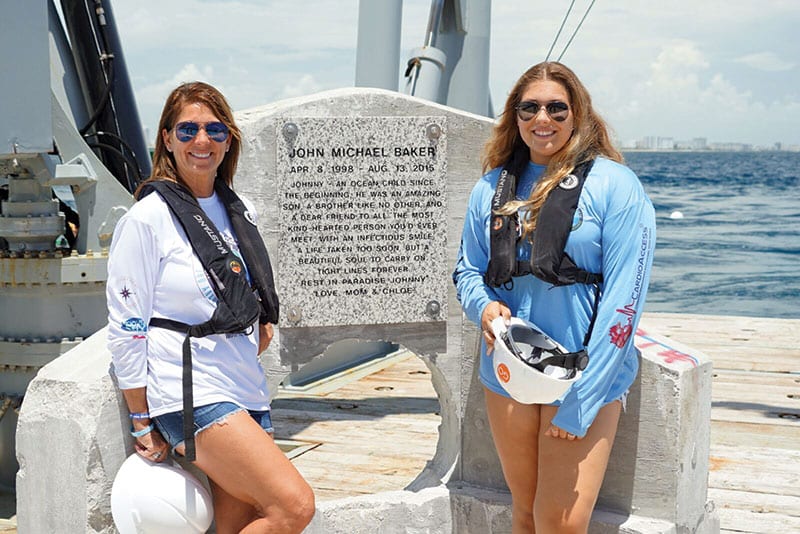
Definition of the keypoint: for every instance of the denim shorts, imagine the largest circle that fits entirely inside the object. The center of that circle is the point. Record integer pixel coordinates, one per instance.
(170, 425)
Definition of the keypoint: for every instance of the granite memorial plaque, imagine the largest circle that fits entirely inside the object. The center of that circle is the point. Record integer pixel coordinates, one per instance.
(362, 220)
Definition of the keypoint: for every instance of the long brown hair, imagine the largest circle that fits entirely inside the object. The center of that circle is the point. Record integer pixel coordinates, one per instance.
(589, 139)
(194, 93)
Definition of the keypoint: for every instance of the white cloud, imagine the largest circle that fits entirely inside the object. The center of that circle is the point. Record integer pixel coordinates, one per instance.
(304, 86)
(188, 73)
(676, 69)
(150, 98)
(766, 61)
(683, 97)
(275, 25)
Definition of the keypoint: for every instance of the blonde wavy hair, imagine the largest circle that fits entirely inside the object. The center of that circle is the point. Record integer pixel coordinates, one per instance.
(164, 167)
(589, 139)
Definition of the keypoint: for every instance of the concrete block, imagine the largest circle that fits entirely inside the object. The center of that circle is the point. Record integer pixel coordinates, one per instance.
(659, 465)
(395, 512)
(72, 437)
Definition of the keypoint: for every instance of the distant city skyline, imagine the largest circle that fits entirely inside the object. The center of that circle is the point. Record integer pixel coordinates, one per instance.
(700, 143)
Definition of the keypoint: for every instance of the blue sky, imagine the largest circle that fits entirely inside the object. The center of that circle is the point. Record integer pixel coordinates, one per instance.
(725, 70)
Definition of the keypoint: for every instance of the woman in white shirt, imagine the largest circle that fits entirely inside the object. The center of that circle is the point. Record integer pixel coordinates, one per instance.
(155, 274)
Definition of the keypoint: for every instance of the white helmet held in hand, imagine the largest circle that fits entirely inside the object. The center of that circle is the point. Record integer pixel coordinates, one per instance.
(159, 499)
(530, 366)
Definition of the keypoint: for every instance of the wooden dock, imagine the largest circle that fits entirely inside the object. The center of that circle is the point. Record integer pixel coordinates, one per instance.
(370, 435)
(374, 430)
(376, 434)
(754, 476)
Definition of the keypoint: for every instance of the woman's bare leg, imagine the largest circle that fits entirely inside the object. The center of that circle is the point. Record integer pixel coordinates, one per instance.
(261, 489)
(515, 429)
(571, 472)
(230, 514)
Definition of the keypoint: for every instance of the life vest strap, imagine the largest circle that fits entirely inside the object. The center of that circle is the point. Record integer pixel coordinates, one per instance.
(189, 451)
(169, 324)
(572, 362)
(187, 384)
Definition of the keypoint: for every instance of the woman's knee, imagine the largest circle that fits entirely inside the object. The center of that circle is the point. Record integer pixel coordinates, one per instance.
(562, 521)
(296, 510)
(305, 507)
(522, 516)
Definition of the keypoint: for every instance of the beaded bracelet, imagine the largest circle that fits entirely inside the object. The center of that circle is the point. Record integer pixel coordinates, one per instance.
(143, 432)
(139, 415)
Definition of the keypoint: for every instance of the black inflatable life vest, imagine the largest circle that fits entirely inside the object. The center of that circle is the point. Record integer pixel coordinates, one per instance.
(239, 305)
(549, 261)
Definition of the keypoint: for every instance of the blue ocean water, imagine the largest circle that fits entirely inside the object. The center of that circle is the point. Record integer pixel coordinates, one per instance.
(736, 251)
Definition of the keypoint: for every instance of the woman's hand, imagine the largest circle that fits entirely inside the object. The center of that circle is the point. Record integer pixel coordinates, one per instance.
(554, 432)
(152, 446)
(492, 311)
(265, 333)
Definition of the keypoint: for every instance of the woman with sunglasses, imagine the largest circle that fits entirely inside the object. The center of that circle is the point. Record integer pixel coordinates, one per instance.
(554, 456)
(154, 273)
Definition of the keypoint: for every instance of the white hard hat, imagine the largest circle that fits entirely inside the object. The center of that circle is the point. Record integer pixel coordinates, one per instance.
(530, 366)
(150, 498)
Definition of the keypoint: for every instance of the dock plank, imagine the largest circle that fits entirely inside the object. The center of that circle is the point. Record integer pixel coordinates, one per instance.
(741, 343)
(738, 432)
(764, 471)
(744, 520)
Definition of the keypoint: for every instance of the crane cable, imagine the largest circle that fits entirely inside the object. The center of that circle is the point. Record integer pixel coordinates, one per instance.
(586, 14)
(558, 34)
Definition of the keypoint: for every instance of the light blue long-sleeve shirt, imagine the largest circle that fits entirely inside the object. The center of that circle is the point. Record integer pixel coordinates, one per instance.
(613, 233)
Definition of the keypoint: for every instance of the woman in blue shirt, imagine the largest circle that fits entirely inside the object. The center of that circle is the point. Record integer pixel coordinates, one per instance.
(554, 456)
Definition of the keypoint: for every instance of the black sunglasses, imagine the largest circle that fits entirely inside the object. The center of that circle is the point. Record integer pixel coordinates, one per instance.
(186, 131)
(558, 111)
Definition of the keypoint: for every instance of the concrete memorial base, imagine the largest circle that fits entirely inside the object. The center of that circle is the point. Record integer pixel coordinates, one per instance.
(313, 163)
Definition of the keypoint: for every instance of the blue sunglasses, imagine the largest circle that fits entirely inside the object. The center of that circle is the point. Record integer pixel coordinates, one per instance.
(186, 131)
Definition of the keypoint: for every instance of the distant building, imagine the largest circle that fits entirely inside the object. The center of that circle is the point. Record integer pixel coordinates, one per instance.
(699, 143)
(656, 143)
(666, 143)
(696, 143)
(731, 147)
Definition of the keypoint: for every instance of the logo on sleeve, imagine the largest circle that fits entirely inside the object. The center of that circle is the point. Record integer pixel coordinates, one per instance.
(125, 293)
(619, 334)
(136, 325)
(128, 289)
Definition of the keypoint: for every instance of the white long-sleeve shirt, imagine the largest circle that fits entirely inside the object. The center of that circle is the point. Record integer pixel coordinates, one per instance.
(153, 272)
